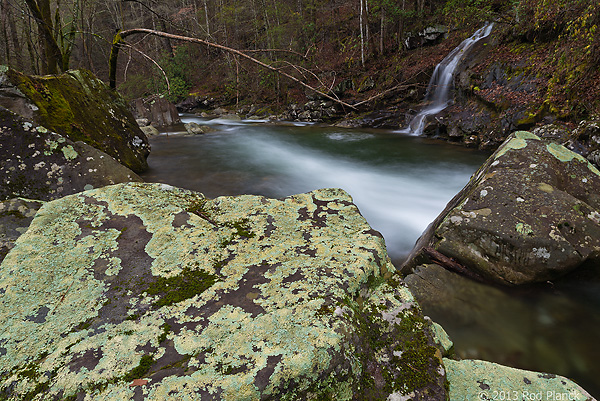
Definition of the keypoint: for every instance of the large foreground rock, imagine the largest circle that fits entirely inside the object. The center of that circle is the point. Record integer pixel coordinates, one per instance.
(37, 163)
(145, 291)
(80, 107)
(531, 213)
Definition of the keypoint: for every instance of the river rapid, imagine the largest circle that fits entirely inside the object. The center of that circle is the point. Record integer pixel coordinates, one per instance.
(400, 183)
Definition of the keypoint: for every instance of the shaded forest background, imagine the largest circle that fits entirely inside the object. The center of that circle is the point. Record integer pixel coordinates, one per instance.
(359, 44)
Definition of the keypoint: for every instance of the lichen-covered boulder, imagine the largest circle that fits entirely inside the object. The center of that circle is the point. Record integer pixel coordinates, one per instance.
(15, 216)
(531, 213)
(80, 107)
(480, 380)
(145, 291)
(37, 163)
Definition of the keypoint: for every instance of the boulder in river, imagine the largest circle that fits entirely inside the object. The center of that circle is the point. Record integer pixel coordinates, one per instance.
(146, 291)
(531, 213)
(37, 163)
(80, 107)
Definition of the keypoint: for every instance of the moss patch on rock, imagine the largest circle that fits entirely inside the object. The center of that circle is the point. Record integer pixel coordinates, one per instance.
(80, 107)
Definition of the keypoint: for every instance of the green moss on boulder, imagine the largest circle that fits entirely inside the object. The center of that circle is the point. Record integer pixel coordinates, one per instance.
(80, 107)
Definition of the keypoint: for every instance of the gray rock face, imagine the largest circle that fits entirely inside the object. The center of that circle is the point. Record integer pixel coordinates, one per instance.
(80, 107)
(36, 163)
(158, 111)
(585, 140)
(428, 36)
(144, 291)
(531, 213)
(15, 217)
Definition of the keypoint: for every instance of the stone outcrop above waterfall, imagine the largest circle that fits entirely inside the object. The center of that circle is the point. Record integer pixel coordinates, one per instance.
(145, 291)
(79, 107)
(531, 213)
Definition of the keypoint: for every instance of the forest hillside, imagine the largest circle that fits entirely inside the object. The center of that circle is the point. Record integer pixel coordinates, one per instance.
(378, 53)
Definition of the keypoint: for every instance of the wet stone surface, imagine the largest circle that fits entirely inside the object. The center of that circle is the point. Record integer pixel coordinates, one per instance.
(531, 213)
(146, 291)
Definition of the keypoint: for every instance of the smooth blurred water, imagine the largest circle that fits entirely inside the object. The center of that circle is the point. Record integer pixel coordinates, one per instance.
(400, 183)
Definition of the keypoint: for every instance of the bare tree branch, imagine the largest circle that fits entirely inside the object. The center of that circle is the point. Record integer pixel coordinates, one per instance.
(118, 40)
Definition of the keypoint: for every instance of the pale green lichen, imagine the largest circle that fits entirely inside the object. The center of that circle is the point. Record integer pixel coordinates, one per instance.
(519, 141)
(233, 238)
(565, 155)
(481, 380)
(69, 152)
(524, 229)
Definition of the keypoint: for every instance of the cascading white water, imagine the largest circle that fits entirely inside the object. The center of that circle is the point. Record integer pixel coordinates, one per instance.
(441, 82)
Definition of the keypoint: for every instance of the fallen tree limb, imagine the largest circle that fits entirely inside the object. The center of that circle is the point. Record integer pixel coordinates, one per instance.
(120, 36)
(451, 265)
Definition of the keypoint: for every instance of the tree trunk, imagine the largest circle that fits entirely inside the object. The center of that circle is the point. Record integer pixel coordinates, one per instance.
(52, 57)
(362, 40)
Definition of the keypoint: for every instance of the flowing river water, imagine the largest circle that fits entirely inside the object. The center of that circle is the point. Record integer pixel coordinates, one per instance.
(400, 184)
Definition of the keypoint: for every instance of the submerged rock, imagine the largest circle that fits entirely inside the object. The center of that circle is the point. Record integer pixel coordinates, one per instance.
(145, 291)
(546, 329)
(197, 129)
(530, 214)
(37, 163)
(80, 107)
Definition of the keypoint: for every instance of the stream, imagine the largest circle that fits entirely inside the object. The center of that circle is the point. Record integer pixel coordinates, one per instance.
(400, 184)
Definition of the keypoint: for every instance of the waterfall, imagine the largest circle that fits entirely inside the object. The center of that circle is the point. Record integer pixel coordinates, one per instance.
(442, 81)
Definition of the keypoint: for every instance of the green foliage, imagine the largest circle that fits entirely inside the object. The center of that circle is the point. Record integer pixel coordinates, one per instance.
(461, 12)
(573, 27)
(135, 86)
(178, 70)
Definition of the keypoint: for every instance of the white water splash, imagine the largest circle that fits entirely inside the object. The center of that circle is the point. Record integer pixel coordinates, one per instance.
(442, 81)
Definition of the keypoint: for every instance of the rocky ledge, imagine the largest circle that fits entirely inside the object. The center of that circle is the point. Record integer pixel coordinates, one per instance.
(145, 291)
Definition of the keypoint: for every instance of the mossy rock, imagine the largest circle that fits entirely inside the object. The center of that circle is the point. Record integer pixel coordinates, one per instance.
(145, 291)
(530, 214)
(37, 163)
(80, 107)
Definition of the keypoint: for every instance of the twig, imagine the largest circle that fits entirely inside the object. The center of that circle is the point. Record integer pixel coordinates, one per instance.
(451, 265)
